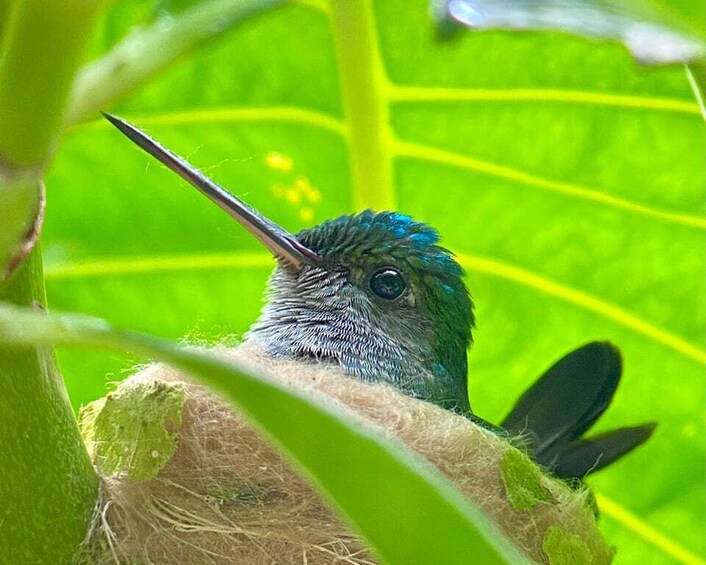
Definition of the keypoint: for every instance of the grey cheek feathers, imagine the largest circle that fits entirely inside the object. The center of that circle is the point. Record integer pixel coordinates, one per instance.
(321, 316)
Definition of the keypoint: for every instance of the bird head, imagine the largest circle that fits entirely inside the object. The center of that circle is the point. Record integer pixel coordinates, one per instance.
(373, 293)
(384, 301)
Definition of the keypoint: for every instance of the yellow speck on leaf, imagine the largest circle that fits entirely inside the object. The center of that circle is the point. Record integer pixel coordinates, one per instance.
(308, 190)
(293, 195)
(300, 192)
(306, 215)
(279, 162)
(314, 195)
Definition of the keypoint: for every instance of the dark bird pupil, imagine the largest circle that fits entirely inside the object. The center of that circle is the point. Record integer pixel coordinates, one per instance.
(387, 283)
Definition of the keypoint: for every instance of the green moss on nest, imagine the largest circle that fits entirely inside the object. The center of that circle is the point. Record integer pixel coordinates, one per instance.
(134, 430)
(523, 481)
(565, 548)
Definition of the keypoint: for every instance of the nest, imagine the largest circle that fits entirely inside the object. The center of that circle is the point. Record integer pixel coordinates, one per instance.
(186, 479)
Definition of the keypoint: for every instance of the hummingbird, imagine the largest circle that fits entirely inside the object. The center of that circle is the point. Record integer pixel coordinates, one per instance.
(376, 295)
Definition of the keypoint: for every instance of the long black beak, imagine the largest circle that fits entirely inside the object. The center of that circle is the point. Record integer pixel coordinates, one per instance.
(279, 241)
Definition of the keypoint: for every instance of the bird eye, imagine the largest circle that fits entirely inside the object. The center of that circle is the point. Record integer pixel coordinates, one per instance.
(387, 283)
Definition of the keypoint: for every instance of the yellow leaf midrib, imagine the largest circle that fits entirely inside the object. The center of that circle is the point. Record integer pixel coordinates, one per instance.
(134, 265)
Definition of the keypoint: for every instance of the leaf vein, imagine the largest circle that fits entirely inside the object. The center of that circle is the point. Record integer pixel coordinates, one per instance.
(647, 532)
(87, 268)
(135, 265)
(363, 86)
(286, 114)
(433, 94)
(426, 153)
(584, 300)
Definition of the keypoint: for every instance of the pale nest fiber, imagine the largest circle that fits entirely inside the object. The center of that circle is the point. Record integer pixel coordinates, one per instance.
(218, 493)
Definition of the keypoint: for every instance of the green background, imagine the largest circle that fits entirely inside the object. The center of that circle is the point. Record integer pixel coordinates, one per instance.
(569, 181)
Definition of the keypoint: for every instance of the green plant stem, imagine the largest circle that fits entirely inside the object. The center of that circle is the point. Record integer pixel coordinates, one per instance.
(48, 489)
(20, 201)
(44, 42)
(363, 84)
(148, 51)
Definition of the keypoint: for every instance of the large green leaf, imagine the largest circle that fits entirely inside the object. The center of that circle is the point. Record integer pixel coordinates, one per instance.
(570, 182)
(409, 513)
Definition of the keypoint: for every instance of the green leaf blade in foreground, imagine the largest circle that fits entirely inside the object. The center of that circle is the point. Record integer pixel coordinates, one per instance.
(406, 511)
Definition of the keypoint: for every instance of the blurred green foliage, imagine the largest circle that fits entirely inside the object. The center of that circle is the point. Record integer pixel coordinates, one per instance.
(570, 182)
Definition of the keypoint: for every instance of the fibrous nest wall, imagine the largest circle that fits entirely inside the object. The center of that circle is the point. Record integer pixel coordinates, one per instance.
(186, 479)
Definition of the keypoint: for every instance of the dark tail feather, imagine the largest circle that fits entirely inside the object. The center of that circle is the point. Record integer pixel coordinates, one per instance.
(566, 400)
(588, 455)
(553, 414)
